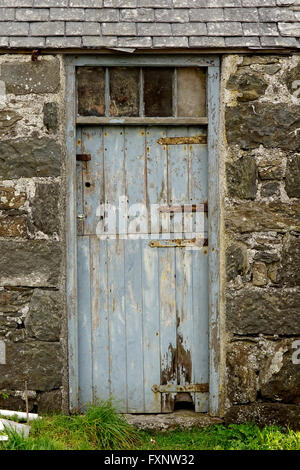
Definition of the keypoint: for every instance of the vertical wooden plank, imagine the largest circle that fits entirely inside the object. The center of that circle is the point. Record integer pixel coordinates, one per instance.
(178, 168)
(198, 168)
(71, 245)
(136, 178)
(184, 314)
(84, 322)
(200, 355)
(92, 143)
(167, 323)
(99, 312)
(114, 174)
(114, 171)
(151, 328)
(214, 236)
(178, 179)
(135, 167)
(200, 351)
(156, 189)
(198, 191)
(134, 323)
(117, 323)
(157, 175)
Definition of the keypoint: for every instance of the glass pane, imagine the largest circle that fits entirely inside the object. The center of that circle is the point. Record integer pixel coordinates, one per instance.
(158, 91)
(124, 91)
(191, 92)
(91, 91)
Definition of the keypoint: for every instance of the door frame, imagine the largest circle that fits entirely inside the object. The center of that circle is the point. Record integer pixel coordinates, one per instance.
(214, 203)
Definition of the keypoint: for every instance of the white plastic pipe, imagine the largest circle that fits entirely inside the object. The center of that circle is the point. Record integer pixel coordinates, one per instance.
(20, 414)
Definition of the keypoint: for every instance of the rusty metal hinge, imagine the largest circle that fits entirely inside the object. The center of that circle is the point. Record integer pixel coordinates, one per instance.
(181, 243)
(199, 139)
(83, 157)
(173, 388)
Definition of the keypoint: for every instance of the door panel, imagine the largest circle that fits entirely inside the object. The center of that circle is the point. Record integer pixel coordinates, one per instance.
(143, 309)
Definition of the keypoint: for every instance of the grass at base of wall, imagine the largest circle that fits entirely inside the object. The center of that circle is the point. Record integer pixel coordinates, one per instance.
(102, 428)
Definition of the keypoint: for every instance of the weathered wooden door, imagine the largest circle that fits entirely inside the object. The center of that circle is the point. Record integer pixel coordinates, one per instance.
(142, 266)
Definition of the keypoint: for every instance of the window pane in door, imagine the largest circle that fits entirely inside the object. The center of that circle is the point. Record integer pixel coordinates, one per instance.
(124, 91)
(158, 91)
(91, 91)
(191, 92)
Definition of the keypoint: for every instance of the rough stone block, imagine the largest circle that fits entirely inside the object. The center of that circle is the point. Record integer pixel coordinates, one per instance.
(242, 178)
(50, 112)
(242, 378)
(45, 208)
(30, 263)
(266, 256)
(272, 311)
(290, 262)
(29, 157)
(265, 414)
(8, 120)
(291, 80)
(236, 261)
(292, 177)
(272, 172)
(22, 78)
(13, 300)
(279, 380)
(247, 84)
(12, 400)
(14, 227)
(9, 199)
(267, 124)
(49, 402)
(37, 362)
(260, 275)
(270, 188)
(263, 216)
(43, 320)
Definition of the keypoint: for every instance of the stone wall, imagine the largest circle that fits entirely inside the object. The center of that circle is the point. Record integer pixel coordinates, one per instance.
(262, 225)
(31, 235)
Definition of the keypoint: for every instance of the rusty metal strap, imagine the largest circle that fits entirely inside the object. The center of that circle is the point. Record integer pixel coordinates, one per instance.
(172, 388)
(185, 208)
(83, 157)
(181, 243)
(199, 139)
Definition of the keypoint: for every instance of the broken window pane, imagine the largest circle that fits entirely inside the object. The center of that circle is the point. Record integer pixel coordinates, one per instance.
(124, 91)
(91, 91)
(191, 92)
(158, 91)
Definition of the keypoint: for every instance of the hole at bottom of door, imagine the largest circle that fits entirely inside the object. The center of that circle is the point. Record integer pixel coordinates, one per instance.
(184, 401)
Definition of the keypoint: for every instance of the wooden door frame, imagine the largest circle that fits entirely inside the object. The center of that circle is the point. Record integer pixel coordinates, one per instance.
(213, 91)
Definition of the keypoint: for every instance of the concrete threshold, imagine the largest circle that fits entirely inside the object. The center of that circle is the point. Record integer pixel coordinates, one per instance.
(184, 419)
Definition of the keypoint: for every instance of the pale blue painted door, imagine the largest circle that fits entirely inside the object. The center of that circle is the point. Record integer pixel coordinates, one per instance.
(142, 286)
